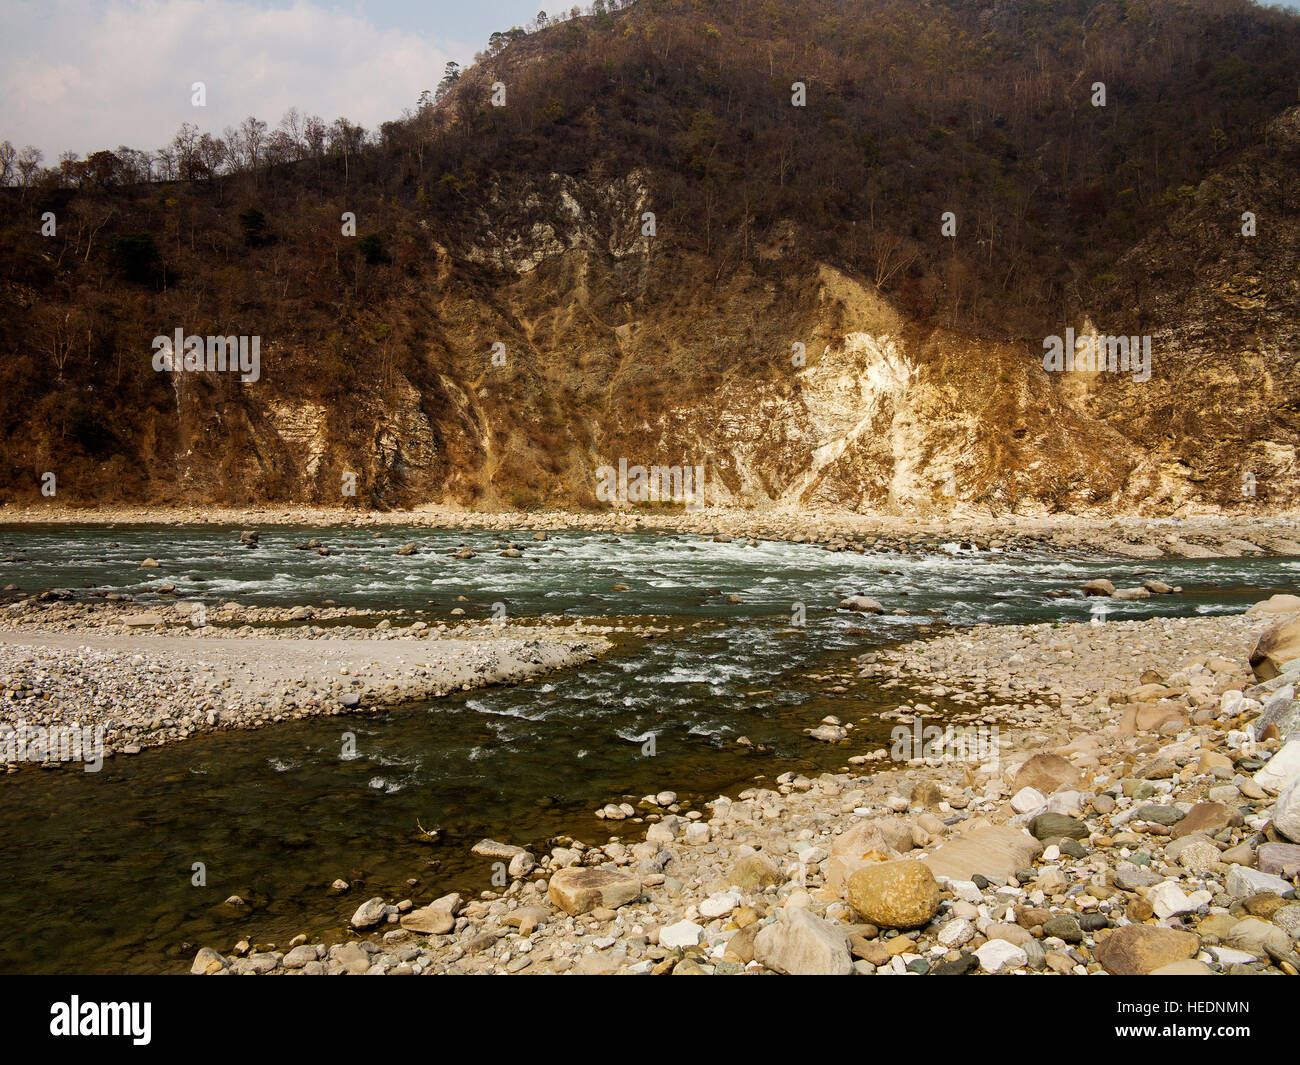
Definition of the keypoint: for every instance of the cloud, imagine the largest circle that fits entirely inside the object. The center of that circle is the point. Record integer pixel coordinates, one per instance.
(81, 75)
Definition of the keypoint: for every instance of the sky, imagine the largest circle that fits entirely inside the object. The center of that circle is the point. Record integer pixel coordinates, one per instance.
(80, 75)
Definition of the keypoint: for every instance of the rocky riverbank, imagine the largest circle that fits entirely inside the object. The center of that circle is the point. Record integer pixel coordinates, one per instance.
(1136, 811)
(149, 676)
(1186, 535)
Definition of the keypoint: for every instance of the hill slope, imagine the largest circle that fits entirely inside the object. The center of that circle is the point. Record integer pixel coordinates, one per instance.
(921, 380)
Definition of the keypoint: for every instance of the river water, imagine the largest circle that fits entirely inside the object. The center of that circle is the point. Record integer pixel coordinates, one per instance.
(96, 868)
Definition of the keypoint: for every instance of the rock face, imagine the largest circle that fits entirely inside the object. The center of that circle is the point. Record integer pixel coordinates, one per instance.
(1280, 859)
(901, 894)
(1278, 645)
(1280, 713)
(802, 944)
(1139, 949)
(581, 890)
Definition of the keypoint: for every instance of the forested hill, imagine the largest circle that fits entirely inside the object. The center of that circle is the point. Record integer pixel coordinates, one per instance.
(606, 238)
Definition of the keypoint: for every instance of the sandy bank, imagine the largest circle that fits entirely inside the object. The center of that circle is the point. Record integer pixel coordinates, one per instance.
(149, 690)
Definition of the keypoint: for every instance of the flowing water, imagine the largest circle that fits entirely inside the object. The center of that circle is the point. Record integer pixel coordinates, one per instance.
(96, 868)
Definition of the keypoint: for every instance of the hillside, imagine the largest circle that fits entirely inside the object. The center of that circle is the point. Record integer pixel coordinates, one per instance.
(922, 382)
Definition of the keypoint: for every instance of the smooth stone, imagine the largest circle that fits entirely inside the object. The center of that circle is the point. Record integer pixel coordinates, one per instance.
(577, 890)
(1057, 826)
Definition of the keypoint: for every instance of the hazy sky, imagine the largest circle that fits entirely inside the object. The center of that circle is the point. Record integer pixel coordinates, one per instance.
(90, 74)
(86, 74)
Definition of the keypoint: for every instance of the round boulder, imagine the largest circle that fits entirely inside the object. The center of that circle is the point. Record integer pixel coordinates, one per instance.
(901, 894)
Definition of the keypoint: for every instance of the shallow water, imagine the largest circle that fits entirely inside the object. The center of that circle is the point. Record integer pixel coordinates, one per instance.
(95, 869)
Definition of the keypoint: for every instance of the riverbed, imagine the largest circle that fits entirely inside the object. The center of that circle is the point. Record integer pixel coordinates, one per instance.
(97, 870)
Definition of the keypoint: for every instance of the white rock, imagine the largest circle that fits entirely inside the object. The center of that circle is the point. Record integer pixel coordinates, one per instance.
(1028, 799)
(681, 934)
(1283, 768)
(1244, 882)
(998, 954)
(955, 933)
(1168, 899)
(720, 905)
(698, 833)
(1231, 956)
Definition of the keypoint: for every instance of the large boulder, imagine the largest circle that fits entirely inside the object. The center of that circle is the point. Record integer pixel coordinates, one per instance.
(861, 604)
(802, 944)
(1140, 949)
(580, 890)
(994, 851)
(1276, 647)
(901, 894)
(1098, 587)
(1277, 604)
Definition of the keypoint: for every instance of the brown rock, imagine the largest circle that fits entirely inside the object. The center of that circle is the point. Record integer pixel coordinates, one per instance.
(1139, 949)
(996, 851)
(1264, 905)
(862, 845)
(871, 950)
(1207, 818)
(1278, 645)
(429, 921)
(740, 947)
(901, 894)
(578, 890)
(1047, 773)
(1154, 716)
